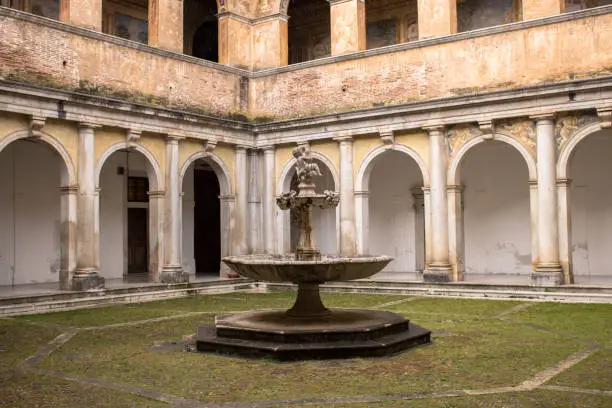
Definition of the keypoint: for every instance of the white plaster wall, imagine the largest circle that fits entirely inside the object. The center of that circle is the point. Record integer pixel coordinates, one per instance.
(29, 213)
(496, 210)
(188, 221)
(113, 211)
(392, 212)
(591, 206)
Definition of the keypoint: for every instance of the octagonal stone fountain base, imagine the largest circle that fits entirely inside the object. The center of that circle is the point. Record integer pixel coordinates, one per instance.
(340, 334)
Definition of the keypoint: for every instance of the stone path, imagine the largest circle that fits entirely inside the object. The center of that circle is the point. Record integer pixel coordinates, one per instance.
(536, 382)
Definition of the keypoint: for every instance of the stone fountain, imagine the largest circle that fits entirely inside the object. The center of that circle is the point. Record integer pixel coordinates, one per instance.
(309, 329)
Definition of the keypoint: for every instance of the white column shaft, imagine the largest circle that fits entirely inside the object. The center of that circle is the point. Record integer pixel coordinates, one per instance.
(347, 198)
(439, 204)
(172, 223)
(269, 200)
(86, 204)
(548, 240)
(240, 212)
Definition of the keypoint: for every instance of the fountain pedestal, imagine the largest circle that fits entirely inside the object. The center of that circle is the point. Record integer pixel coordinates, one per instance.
(309, 329)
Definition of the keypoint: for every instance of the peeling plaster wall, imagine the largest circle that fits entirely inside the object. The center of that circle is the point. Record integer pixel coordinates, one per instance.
(29, 213)
(392, 213)
(591, 206)
(496, 210)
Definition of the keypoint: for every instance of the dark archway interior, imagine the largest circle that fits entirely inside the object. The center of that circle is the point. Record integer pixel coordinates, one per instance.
(207, 220)
(201, 29)
(309, 30)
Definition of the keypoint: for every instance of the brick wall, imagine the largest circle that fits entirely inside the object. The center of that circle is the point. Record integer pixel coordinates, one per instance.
(43, 55)
(562, 51)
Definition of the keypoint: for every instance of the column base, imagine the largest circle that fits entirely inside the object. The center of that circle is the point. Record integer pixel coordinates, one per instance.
(87, 281)
(546, 278)
(437, 274)
(173, 274)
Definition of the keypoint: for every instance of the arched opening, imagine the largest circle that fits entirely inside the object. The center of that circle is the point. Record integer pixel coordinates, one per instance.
(575, 5)
(201, 29)
(309, 30)
(126, 19)
(396, 213)
(126, 217)
(591, 209)
(496, 213)
(391, 22)
(201, 220)
(475, 14)
(31, 174)
(44, 8)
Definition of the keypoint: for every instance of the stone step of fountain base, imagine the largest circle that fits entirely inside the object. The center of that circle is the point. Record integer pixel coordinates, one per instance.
(345, 333)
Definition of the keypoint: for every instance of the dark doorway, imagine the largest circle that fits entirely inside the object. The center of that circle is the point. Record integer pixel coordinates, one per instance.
(207, 222)
(205, 41)
(138, 253)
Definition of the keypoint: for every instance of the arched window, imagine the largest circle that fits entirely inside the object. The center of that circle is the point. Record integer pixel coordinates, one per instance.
(309, 30)
(201, 29)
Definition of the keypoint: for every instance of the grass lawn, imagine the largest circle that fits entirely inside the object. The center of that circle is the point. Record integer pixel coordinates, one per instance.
(472, 349)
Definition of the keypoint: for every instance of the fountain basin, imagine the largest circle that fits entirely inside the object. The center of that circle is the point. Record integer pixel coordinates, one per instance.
(274, 268)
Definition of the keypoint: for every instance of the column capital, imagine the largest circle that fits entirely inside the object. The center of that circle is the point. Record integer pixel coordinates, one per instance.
(268, 148)
(156, 194)
(173, 138)
(362, 193)
(241, 148)
(426, 189)
(533, 183)
(564, 182)
(89, 125)
(341, 139)
(454, 188)
(229, 198)
(435, 128)
(543, 118)
(69, 190)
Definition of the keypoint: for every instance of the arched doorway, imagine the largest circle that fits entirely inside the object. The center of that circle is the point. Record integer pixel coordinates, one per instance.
(309, 30)
(391, 214)
(325, 221)
(33, 219)
(589, 170)
(201, 220)
(201, 29)
(496, 215)
(127, 216)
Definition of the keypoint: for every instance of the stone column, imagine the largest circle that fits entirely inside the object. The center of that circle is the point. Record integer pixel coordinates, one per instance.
(172, 271)
(228, 207)
(270, 42)
(166, 24)
(82, 13)
(427, 210)
(362, 222)
(437, 18)
(542, 8)
(533, 212)
(269, 200)
(238, 235)
(419, 228)
(68, 240)
(156, 233)
(548, 269)
(347, 197)
(348, 29)
(86, 275)
(254, 205)
(234, 40)
(565, 229)
(455, 231)
(439, 269)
